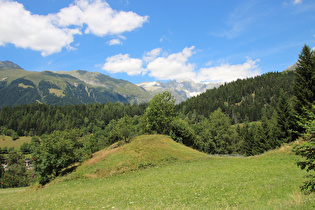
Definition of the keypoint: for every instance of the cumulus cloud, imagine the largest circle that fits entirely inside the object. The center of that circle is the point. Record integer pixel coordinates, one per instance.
(227, 73)
(19, 27)
(123, 63)
(101, 19)
(49, 34)
(177, 66)
(174, 66)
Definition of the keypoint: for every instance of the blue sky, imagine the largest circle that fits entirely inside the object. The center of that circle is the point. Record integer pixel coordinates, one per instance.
(149, 40)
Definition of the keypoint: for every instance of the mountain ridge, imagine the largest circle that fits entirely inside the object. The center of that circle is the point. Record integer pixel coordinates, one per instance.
(19, 86)
(81, 86)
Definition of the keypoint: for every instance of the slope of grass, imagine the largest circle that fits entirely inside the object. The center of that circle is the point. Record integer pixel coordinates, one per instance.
(142, 152)
(268, 181)
(13, 74)
(6, 141)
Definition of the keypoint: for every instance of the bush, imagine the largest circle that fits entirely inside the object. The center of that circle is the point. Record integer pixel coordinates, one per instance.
(180, 131)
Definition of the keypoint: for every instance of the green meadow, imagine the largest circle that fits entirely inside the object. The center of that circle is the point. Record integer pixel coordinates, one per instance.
(6, 141)
(267, 181)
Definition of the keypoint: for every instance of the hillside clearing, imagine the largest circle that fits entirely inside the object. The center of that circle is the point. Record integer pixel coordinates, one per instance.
(6, 141)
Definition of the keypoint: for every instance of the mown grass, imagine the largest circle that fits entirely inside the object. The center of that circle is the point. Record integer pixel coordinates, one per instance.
(269, 181)
(6, 141)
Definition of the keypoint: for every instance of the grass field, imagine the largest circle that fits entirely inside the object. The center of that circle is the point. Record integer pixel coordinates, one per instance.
(268, 181)
(6, 141)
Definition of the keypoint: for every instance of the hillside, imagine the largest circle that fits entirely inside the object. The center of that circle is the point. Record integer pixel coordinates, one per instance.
(18, 87)
(143, 151)
(243, 99)
(268, 181)
(131, 92)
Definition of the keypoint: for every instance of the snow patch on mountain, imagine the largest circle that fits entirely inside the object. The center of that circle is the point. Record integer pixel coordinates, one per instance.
(185, 88)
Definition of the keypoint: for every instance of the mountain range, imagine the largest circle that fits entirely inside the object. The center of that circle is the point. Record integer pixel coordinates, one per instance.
(19, 86)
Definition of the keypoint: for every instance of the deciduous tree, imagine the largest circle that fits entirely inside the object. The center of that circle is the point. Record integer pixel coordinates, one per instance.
(160, 113)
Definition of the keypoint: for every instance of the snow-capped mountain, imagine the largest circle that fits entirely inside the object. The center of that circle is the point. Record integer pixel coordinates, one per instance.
(184, 88)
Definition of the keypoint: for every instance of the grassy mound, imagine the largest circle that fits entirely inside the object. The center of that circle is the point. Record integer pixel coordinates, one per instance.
(142, 152)
(268, 181)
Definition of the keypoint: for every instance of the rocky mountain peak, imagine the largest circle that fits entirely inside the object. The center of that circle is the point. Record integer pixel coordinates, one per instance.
(9, 64)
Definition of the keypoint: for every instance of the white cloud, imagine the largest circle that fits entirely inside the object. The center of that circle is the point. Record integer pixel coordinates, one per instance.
(123, 63)
(297, 1)
(153, 54)
(49, 34)
(102, 20)
(114, 42)
(19, 27)
(227, 73)
(174, 66)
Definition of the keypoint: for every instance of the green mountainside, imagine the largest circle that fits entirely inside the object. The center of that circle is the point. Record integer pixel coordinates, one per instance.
(18, 86)
(241, 99)
(131, 92)
(244, 99)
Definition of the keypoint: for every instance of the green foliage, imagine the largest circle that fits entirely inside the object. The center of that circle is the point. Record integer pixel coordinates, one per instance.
(160, 113)
(285, 119)
(180, 131)
(14, 136)
(307, 150)
(218, 135)
(122, 131)
(243, 99)
(25, 148)
(304, 84)
(37, 119)
(55, 152)
(15, 174)
(15, 95)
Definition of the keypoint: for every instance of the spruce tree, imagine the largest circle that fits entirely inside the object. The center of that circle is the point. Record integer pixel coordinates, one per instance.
(285, 119)
(304, 85)
(307, 150)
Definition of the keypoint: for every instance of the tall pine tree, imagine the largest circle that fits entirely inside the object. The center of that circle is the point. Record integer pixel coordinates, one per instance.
(304, 85)
(285, 119)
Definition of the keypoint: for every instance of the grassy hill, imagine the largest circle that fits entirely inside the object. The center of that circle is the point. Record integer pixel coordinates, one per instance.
(268, 181)
(142, 152)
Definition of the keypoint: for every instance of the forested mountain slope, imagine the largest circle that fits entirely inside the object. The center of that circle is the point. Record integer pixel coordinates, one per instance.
(243, 99)
(18, 87)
